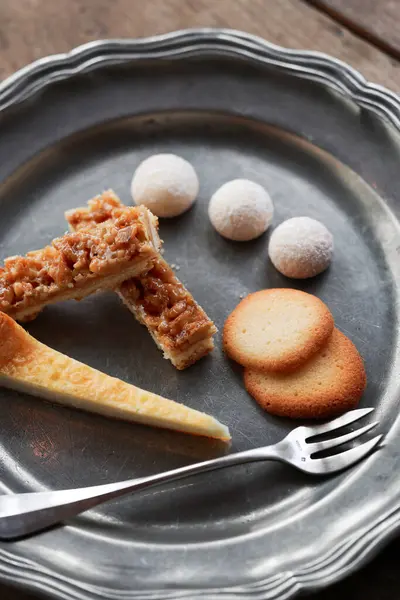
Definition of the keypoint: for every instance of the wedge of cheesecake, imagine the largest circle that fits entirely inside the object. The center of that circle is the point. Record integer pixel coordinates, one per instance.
(80, 263)
(178, 325)
(29, 366)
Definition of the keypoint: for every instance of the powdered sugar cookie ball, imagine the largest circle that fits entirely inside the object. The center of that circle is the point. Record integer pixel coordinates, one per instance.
(241, 210)
(301, 247)
(167, 184)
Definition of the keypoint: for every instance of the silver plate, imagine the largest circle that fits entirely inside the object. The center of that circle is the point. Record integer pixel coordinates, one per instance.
(325, 143)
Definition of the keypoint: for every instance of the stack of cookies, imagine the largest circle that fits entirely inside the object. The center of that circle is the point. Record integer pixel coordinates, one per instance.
(297, 364)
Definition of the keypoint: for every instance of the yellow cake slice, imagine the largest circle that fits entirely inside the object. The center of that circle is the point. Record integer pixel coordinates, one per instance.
(30, 366)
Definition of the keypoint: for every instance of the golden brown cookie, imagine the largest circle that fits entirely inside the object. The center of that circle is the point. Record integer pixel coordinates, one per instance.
(330, 382)
(277, 329)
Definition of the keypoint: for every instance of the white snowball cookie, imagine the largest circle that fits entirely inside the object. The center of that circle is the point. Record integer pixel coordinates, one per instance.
(241, 210)
(167, 184)
(301, 247)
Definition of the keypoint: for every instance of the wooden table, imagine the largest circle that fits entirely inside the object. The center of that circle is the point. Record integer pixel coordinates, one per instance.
(364, 33)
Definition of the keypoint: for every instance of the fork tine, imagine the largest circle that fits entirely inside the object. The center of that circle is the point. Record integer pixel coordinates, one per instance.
(346, 419)
(342, 439)
(332, 464)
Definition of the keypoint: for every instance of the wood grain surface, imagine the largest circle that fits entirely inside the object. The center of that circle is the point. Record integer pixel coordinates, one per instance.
(376, 20)
(30, 29)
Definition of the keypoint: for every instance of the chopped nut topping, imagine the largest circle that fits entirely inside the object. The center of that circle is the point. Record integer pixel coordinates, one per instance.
(167, 309)
(74, 259)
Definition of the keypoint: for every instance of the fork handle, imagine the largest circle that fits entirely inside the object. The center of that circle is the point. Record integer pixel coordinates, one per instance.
(23, 514)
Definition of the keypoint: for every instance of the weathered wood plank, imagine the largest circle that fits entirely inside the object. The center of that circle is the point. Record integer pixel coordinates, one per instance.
(30, 29)
(376, 20)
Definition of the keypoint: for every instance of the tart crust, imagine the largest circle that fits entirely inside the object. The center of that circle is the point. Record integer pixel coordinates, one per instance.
(178, 325)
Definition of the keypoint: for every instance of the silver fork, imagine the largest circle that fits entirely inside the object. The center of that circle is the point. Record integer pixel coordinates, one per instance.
(23, 514)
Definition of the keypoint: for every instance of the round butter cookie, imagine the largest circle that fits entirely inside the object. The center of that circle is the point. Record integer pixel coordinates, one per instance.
(331, 382)
(277, 329)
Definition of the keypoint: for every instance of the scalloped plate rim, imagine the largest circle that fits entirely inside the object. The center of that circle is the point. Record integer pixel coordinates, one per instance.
(361, 545)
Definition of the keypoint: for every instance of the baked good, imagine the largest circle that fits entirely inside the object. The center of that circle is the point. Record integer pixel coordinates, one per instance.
(178, 325)
(80, 263)
(301, 247)
(330, 382)
(241, 210)
(29, 366)
(166, 183)
(277, 329)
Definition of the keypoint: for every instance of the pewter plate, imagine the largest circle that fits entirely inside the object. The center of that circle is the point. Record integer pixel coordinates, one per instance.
(325, 143)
